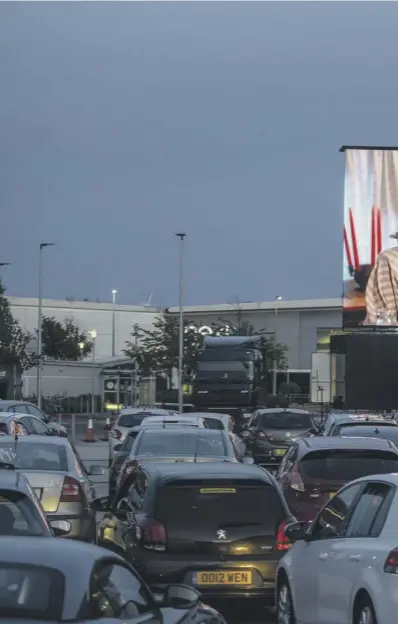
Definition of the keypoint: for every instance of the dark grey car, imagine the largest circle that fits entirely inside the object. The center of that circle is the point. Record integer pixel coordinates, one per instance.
(270, 433)
(24, 407)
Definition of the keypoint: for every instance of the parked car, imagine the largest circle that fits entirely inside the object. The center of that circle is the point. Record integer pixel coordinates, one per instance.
(23, 407)
(223, 422)
(216, 526)
(122, 451)
(128, 418)
(180, 444)
(334, 423)
(346, 560)
(270, 433)
(23, 424)
(314, 469)
(20, 511)
(109, 590)
(58, 478)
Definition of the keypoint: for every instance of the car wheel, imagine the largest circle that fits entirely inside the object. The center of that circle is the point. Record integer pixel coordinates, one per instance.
(364, 612)
(284, 606)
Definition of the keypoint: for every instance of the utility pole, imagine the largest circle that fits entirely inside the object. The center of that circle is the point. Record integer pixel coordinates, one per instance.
(274, 373)
(114, 293)
(181, 236)
(39, 322)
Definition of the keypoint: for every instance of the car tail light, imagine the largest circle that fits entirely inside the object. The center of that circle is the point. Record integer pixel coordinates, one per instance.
(391, 564)
(282, 541)
(71, 491)
(117, 434)
(152, 534)
(296, 481)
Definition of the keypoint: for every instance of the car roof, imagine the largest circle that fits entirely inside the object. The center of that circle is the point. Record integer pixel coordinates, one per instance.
(391, 477)
(342, 418)
(191, 430)
(320, 443)
(27, 439)
(385, 430)
(214, 470)
(172, 418)
(283, 410)
(209, 415)
(13, 480)
(155, 411)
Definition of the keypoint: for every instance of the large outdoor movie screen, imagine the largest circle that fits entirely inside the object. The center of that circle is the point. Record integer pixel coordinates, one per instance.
(370, 295)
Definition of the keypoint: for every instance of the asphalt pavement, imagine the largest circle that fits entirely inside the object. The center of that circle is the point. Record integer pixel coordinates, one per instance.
(96, 453)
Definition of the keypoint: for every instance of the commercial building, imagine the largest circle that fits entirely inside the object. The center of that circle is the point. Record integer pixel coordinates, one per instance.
(303, 326)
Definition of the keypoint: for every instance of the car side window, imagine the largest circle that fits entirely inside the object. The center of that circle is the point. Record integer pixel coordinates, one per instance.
(35, 411)
(289, 460)
(39, 427)
(18, 409)
(116, 592)
(369, 515)
(26, 422)
(331, 521)
(124, 489)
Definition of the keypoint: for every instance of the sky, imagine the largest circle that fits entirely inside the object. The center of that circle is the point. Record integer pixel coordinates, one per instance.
(124, 123)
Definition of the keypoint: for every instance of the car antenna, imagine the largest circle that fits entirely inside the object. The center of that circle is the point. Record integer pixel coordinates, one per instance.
(195, 457)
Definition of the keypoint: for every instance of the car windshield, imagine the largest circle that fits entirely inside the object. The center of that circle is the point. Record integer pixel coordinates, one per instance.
(37, 456)
(346, 465)
(182, 444)
(19, 515)
(221, 503)
(31, 592)
(387, 433)
(224, 369)
(285, 420)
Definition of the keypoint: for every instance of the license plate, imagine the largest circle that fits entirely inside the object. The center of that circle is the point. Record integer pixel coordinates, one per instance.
(331, 494)
(280, 452)
(223, 578)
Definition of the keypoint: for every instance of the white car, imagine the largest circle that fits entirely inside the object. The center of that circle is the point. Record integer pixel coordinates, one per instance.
(342, 569)
(128, 418)
(223, 422)
(186, 420)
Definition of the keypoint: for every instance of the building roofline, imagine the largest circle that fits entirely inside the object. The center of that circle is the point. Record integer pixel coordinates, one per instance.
(300, 304)
(79, 305)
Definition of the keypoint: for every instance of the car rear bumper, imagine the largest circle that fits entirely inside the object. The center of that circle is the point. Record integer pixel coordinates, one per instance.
(82, 526)
(160, 571)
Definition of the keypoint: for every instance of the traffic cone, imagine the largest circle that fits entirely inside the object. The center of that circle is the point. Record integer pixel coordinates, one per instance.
(90, 437)
(107, 426)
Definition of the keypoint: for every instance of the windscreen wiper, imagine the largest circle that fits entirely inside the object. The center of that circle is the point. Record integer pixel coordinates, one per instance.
(233, 525)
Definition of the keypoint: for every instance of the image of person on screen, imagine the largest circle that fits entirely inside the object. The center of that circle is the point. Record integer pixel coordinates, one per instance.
(382, 289)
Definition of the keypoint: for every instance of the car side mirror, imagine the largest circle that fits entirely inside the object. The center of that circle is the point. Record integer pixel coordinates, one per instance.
(245, 434)
(96, 471)
(297, 531)
(60, 527)
(247, 460)
(117, 447)
(180, 597)
(100, 504)
(313, 431)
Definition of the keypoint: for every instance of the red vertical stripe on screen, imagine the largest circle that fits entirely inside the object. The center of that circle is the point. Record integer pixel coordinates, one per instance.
(379, 235)
(347, 248)
(373, 237)
(354, 242)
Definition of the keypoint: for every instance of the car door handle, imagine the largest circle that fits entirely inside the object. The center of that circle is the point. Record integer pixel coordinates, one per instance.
(354, 557)
(323, 556)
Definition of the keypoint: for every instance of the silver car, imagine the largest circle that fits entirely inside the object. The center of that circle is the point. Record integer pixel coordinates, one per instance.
(58, 478)
(222, 422)
(128, 418)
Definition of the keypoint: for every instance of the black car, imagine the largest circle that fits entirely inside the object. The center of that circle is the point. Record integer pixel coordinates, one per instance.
(40, 584)
(216, 526)
(24, 407)
(20, 511)
(270, 433)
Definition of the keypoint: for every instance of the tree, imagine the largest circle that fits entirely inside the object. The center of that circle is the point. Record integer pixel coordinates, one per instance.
(14, 341)
(62, 340)
(157, 349)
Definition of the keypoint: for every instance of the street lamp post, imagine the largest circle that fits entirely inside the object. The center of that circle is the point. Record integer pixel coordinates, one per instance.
(81, 347)
(39, 322)
(181, 236)
(93, 335)
(114, 293)
(274, 374)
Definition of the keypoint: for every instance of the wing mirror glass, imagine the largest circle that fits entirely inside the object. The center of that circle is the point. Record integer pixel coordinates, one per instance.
(180, 597)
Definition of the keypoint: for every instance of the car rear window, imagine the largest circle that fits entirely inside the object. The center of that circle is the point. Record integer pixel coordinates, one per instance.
(214, 423)
(285, 420)
(131, 420)
(346, 465)
(169, 443)
(3, 427)
(337, 430)
(37, 456)
(387, 433)
(220, 502)
(31, 591)
(19, 515)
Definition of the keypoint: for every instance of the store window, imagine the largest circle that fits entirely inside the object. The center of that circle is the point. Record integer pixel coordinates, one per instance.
(323, 338)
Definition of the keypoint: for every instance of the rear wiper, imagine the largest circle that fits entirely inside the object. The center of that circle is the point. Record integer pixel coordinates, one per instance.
(233, 525)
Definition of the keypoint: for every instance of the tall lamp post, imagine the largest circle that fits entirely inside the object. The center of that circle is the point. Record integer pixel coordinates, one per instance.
(39, 322)
(181, 236)
(93, 335)
(274, 374)
(114, 293)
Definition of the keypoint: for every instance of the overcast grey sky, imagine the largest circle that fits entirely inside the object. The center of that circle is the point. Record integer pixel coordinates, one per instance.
(122, 123)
